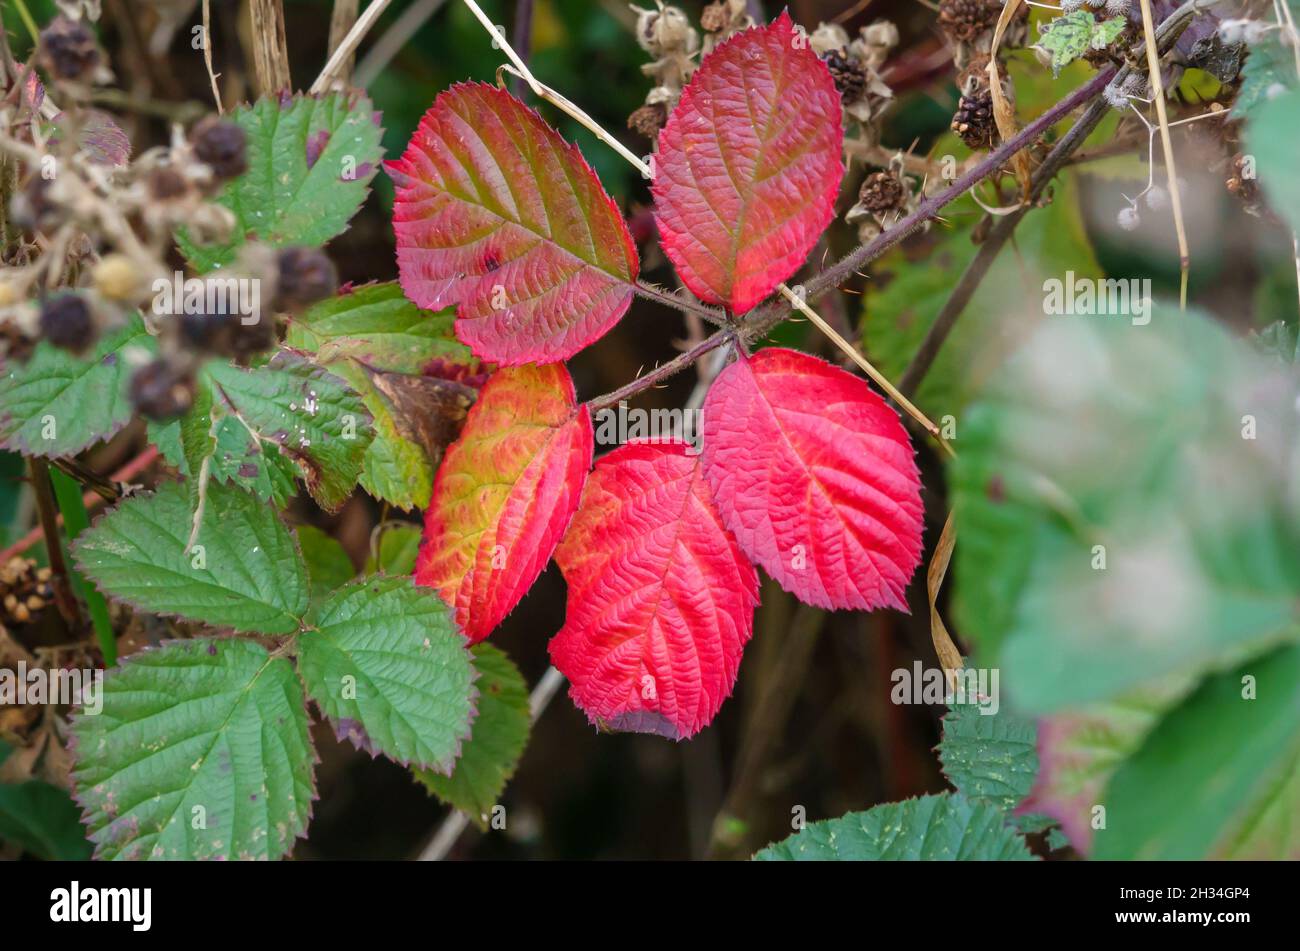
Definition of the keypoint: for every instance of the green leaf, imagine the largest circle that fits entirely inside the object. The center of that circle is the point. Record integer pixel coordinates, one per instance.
(58, 404)
(328, 565)
(911, 287)
(310, 162)
(237, 456)
(386, 663)
(1219, 777)
(43, 821)
(311, 415)
(1274, 139)
(1071, 36)
(500, 733)
(1269, 71)
(399, 545)
(947, 827)
(201, 752)
(381, 343)
(1081, 749)
(1125, 508)
(989, 758)
(376, 325)
(245, 571)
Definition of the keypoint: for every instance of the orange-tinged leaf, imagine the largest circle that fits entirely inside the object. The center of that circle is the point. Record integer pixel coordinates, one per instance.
(504, 494)
(494, 212)
(661, 599)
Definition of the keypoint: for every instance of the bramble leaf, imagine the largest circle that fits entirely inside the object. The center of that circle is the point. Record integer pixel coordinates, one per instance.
(815, 476)
(947, 827)
(497, 214)
(415, 378)
(661, 599)
(500, 732)
(1070, 36)
(749, 166)
(310, 162)
(1126, 490)
(1219, 776)
(384, 661)
(42, 820)
(200, 752)
(1081, 749)
(989, 758)
(505, 493)
(1274, 139)
(57, 404)
(311, 415)
(328, 565)
(245, 571)
(399, 545)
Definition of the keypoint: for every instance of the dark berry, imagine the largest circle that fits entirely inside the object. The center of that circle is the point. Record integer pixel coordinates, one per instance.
(68, 49)
(66, 322)
(850, 77)
(974, 120)
(160, 392)
(306, 275)
(219, 144)
(208, 333)
(882, 192)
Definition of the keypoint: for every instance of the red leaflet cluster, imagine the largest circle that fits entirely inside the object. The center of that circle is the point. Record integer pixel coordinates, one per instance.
(495, 213)
(804, 469)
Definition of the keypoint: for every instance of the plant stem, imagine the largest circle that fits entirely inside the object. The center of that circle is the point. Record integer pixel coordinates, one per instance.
(663, 371)
(523, 35)
(1171, 171)
(25, 15)
(669, 299)
(67, 492)
(48, 510)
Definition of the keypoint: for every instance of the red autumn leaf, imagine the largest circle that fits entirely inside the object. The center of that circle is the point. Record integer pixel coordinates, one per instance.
(749, 166)
(504, 494)
(494, 212)
(661, 599)
(815, 476)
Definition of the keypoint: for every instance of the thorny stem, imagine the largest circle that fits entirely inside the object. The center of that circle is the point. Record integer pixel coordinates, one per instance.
(970, 280)
(670, 299)
(663, 371)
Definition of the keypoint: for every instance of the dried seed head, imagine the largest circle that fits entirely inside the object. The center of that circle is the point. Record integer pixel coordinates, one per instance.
(649, 119)
(306, 275)
(67, 322)
(850, 76)
(160, 392)
(68, 50)
(1128, 218)
(220, 145)
(882, 192)
(964, 21)
(974, 120)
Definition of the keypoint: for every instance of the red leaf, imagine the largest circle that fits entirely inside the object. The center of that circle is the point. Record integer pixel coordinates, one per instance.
(749, 166)
(496, 213)
(661, 599)
(816, 477)
(504, 494)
